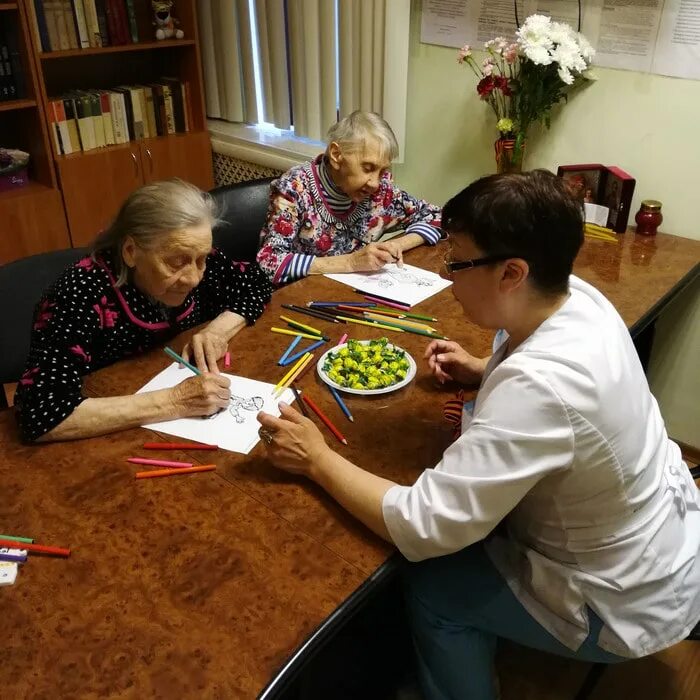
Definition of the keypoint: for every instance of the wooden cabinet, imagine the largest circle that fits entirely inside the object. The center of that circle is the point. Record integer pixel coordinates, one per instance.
(72, 197)
(96, 183)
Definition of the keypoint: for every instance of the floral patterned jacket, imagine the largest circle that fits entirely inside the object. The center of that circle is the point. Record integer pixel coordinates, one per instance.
(301, 223)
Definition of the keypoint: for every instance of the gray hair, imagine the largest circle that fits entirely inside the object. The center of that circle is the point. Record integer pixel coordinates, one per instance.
(151, 212)
(353, 132)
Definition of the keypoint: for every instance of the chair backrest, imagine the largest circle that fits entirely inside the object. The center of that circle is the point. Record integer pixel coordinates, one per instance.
(243, 210)
(22, 284)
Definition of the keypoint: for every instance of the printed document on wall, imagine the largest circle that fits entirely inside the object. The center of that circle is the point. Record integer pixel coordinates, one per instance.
(678, 45)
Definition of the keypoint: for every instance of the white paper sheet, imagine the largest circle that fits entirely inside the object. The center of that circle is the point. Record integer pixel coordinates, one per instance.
(234, 429)
(407, 285)
(678, 45)
(596, 214)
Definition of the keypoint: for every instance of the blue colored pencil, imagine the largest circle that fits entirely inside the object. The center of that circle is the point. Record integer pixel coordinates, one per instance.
(5, 556)
(297, 355)
(291, 347)
(181, 360)
(341, 403)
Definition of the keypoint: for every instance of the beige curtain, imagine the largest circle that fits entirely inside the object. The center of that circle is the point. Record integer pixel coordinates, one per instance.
(307, 75)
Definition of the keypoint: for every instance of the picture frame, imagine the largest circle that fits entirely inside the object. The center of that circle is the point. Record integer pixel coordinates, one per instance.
(604, 186)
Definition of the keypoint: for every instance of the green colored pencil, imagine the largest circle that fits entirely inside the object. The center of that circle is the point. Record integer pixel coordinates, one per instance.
(181, 360)
(406, 314)
(28, 540)
(409, 329)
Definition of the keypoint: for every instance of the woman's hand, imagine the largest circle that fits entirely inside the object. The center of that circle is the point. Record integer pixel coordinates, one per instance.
(206, 347)
(201, 396)
(449, 361)
(293, 442)
(371, 258)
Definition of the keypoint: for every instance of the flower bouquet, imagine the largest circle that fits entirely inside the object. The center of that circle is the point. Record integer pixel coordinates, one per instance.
(13, 168)
(523, 79)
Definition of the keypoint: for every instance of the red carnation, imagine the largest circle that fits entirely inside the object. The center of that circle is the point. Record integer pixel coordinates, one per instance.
(485, 86)
(502, 84)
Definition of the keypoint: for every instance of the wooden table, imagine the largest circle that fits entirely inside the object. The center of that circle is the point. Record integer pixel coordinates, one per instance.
(223, 584)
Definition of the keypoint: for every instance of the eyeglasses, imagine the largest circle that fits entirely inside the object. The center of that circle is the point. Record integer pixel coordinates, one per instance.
(452, 266)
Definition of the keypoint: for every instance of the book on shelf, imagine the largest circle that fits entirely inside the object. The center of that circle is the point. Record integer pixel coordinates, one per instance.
(12, 85)
(89, 119)
(61, 25)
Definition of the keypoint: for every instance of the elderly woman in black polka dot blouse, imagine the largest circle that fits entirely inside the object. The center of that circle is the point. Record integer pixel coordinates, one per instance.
(152, 274)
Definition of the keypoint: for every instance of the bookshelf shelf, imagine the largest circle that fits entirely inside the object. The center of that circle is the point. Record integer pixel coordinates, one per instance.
(31, 188)
(8, 6)
(142, 46)
(16, 104)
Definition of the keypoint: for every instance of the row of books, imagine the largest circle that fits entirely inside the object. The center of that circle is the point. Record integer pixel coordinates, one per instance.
(11, 76)
(86, 119)
(80, 24)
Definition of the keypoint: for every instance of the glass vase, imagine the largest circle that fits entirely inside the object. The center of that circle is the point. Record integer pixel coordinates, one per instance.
(509, 155)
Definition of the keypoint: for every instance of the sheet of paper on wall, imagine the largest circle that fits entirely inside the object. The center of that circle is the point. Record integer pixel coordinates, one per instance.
(407, 285)
(234, 429)
(678, 43)
(596, 214)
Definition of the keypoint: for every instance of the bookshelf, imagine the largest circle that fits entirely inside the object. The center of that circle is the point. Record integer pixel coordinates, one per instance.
(93, 183)
(32, 217)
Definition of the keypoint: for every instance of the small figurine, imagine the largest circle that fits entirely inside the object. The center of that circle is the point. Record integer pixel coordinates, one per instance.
(164, 21)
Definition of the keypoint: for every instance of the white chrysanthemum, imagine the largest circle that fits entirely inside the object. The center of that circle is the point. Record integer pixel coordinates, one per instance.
(565, 75)
(587, 51)
(536, 23)
(561, 33)
(537, 53)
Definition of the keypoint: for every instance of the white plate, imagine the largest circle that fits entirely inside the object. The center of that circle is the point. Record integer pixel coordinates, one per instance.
(410, 373)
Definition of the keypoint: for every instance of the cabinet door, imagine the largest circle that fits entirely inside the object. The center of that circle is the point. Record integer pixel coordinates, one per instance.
(187, 156)
(95, 184)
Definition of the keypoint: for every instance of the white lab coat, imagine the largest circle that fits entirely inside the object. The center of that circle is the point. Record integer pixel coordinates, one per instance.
(567, 443)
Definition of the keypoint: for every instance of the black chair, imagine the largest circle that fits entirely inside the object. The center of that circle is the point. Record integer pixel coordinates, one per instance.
(242, 212)
(22, 283)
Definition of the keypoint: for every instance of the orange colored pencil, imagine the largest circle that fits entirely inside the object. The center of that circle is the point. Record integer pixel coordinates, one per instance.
(327, 421)
(173, 472)
(38, 548)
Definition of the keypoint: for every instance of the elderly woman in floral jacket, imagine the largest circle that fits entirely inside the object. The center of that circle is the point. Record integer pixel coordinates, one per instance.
(329, 215)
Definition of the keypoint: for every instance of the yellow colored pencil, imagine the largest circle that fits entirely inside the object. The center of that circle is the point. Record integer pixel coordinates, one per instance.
(598, 227)
(402, 321)
(299, 369)
(295, 366)
(311, 329)
(371, 323)
(286, 331)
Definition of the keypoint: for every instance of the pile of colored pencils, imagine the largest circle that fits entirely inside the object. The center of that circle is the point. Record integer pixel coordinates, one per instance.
(14, 551)
(600, 233)
(171, 468)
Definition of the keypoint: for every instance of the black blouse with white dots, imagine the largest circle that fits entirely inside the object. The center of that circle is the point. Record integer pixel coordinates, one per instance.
(84, 322)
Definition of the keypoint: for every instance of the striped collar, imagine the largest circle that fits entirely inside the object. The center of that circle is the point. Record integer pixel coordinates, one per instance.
(335, 198)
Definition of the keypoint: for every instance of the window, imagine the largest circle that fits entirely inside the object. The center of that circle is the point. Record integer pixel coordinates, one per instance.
(300, 64)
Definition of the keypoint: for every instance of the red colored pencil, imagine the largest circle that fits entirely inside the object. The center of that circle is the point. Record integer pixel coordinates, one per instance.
(178, 446)
(39, 548)
(173, 472)
(328, 423)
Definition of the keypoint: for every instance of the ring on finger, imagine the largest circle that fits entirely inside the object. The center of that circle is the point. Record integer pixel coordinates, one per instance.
(266, 436)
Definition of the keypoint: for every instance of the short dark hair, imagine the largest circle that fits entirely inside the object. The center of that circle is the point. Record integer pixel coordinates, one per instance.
(527, 215)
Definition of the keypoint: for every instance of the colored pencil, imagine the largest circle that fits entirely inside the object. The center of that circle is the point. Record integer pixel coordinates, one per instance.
(404, 314)
(354, 309)
(16, 539)
(341, 403)
(397, 324)
(178, 446)
(227, 359)
(289, 349)
(175, 472)
(303, 326)
(182, 361)
(311, 312)
(377, 298)
(299, 369)
(374, 324)
(302, 405)
(402, 321)
(328, 423)
(39, 548)
(6, 556)
(300, 326)
(311, 348)
(321, 304)
(343, 338)
(158, 462)
(289, 331)
(287, 376)
(303, 371)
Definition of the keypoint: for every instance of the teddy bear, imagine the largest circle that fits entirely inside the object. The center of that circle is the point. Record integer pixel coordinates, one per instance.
(164, 21)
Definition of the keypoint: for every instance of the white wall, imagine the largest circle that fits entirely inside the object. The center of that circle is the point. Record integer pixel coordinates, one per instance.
(645, 124)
